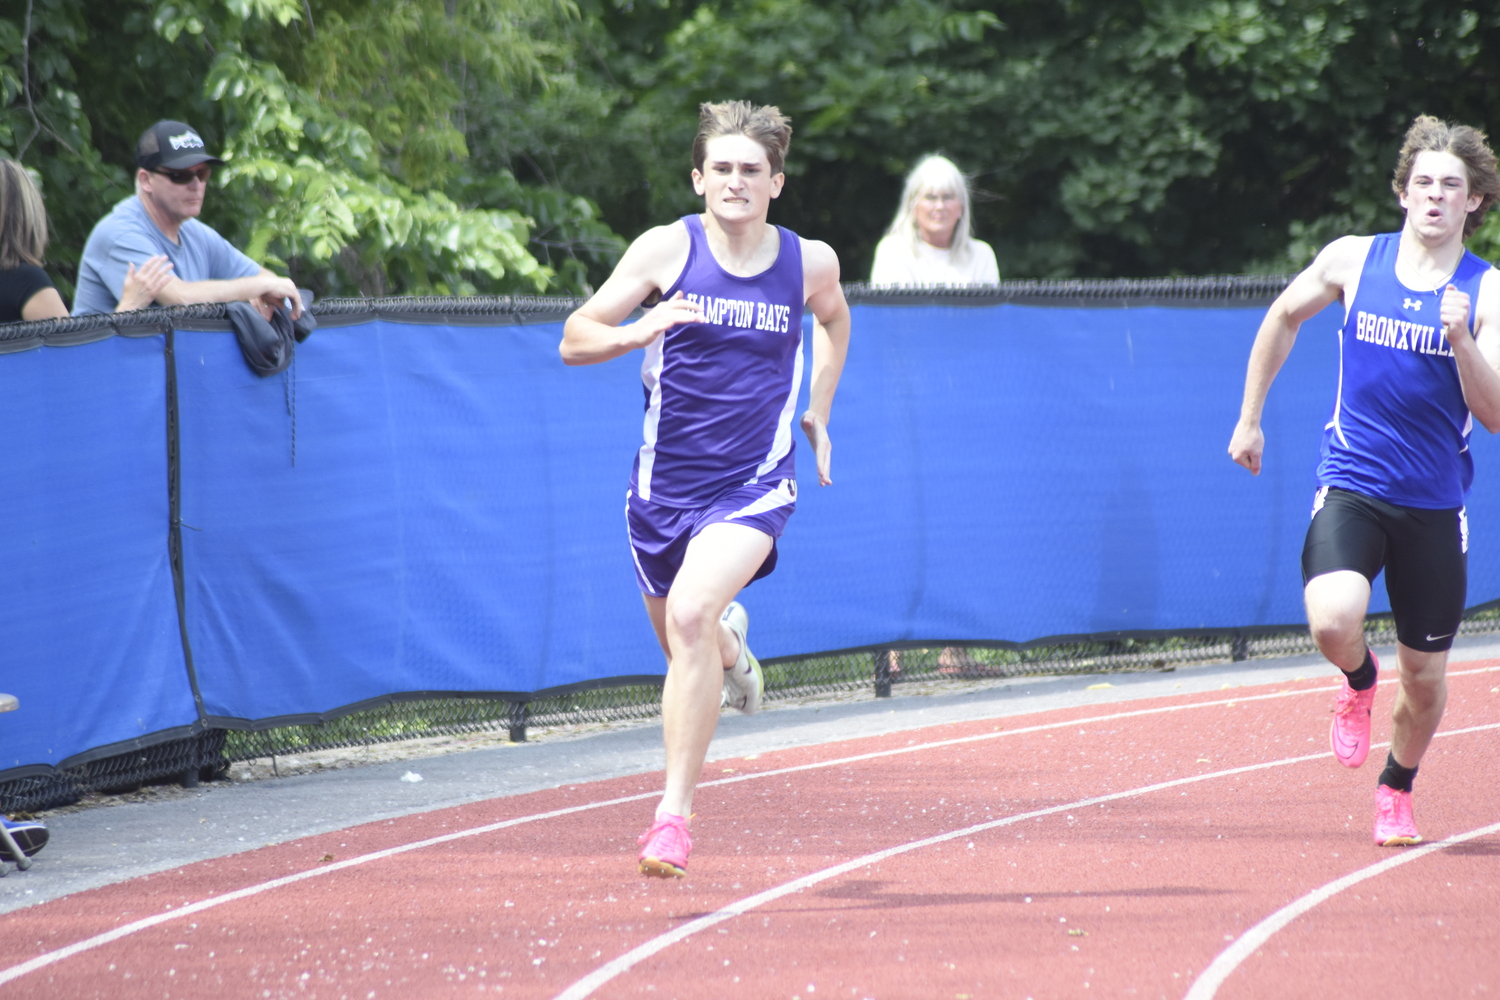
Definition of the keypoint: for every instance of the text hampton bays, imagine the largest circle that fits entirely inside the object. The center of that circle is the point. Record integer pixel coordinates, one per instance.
(743, 314)
(1400, 334)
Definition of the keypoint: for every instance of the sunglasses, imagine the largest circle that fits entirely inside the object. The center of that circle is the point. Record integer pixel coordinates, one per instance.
(202, 173)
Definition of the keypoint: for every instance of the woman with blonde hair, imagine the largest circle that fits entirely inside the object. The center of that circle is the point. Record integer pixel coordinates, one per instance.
(930, 241)
(26, 292)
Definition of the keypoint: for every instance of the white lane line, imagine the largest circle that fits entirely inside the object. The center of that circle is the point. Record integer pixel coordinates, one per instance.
(1207, 984)
(588, 984)
(125, 930)
(981, 737)
(146, 923)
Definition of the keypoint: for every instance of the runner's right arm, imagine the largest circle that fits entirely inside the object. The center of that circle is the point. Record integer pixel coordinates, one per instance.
(1310, 292)
(594, 332)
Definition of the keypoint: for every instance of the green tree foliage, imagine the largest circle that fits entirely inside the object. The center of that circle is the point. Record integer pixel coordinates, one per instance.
(1486, 242)
(1106, 138)
(342, 123)
(498, 145)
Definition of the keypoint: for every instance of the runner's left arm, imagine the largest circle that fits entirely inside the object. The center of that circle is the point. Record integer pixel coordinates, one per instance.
(825, 297)
(1478, 356)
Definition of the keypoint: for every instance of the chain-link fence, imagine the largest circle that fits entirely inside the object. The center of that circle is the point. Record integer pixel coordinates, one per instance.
(185, 761)
(879, 671)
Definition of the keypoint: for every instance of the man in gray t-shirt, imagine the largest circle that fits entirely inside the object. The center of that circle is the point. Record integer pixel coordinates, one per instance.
(171, 179)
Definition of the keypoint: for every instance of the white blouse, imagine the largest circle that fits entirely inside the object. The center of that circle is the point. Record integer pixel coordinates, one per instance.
(898, 263)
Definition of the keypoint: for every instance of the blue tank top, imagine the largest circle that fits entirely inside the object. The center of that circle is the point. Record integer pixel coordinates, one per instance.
(720, 394)
(1400, 427)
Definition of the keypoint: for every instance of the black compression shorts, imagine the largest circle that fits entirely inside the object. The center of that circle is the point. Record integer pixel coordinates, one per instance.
(1424, 553)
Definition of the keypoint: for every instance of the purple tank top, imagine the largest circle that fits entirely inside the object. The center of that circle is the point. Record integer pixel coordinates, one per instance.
(720, 394)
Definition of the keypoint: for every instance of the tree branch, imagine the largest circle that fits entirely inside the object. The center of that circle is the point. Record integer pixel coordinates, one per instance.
(36, 125)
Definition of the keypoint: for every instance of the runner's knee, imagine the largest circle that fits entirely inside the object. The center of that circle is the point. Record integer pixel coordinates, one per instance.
(1334, 641)
(693, 619)
(1424, 676)
(1335, 626)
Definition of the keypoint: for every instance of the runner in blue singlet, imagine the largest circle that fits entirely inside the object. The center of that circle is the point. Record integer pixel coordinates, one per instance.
(714, 483)
(1419, 360)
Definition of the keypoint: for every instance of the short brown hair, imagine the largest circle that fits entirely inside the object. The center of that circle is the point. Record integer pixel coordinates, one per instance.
(765, 124)
(1431, 135)
(23, 218)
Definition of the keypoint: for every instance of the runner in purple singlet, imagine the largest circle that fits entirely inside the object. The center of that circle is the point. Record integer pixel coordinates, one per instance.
(1418, 359)
(714, 483)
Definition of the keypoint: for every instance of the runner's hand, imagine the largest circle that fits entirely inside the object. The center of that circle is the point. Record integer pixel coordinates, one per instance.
(817, 436)
(1455, 314)
(1247, 445)
(666, 314)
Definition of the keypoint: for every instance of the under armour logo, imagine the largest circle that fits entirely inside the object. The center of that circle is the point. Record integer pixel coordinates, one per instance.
(1414, 304)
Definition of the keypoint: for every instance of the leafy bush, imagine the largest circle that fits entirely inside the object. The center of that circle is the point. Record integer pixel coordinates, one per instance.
(341, 121)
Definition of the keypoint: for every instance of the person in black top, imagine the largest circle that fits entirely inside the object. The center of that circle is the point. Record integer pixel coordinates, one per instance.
(26, 292)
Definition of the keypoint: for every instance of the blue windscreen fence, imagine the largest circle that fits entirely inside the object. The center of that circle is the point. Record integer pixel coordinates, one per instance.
(429, 503)
(89, 637)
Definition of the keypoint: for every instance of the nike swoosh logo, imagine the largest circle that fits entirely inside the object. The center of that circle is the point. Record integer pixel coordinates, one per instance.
(1435, 638)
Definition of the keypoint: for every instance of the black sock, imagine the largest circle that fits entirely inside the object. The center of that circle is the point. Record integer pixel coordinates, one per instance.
(1363, 677)
(1395, 776)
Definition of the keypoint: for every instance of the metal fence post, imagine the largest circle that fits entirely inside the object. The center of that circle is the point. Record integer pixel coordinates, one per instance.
(190, 777)
(518, 722)
(1239, 648)
(883, 665)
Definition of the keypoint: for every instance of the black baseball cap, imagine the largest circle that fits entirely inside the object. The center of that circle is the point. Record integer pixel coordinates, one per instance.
(172, 146)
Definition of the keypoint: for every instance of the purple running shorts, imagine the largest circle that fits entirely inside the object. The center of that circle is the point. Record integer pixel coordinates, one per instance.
(659, 535)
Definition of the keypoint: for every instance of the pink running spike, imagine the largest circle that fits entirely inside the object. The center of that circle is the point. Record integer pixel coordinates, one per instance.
(1350, 732)
(1394, 826)
(665, 847)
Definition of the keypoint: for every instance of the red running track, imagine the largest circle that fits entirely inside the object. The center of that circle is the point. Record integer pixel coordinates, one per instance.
(1121, 851)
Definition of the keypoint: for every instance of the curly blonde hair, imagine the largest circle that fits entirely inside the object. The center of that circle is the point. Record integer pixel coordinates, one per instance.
(1432, 135)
